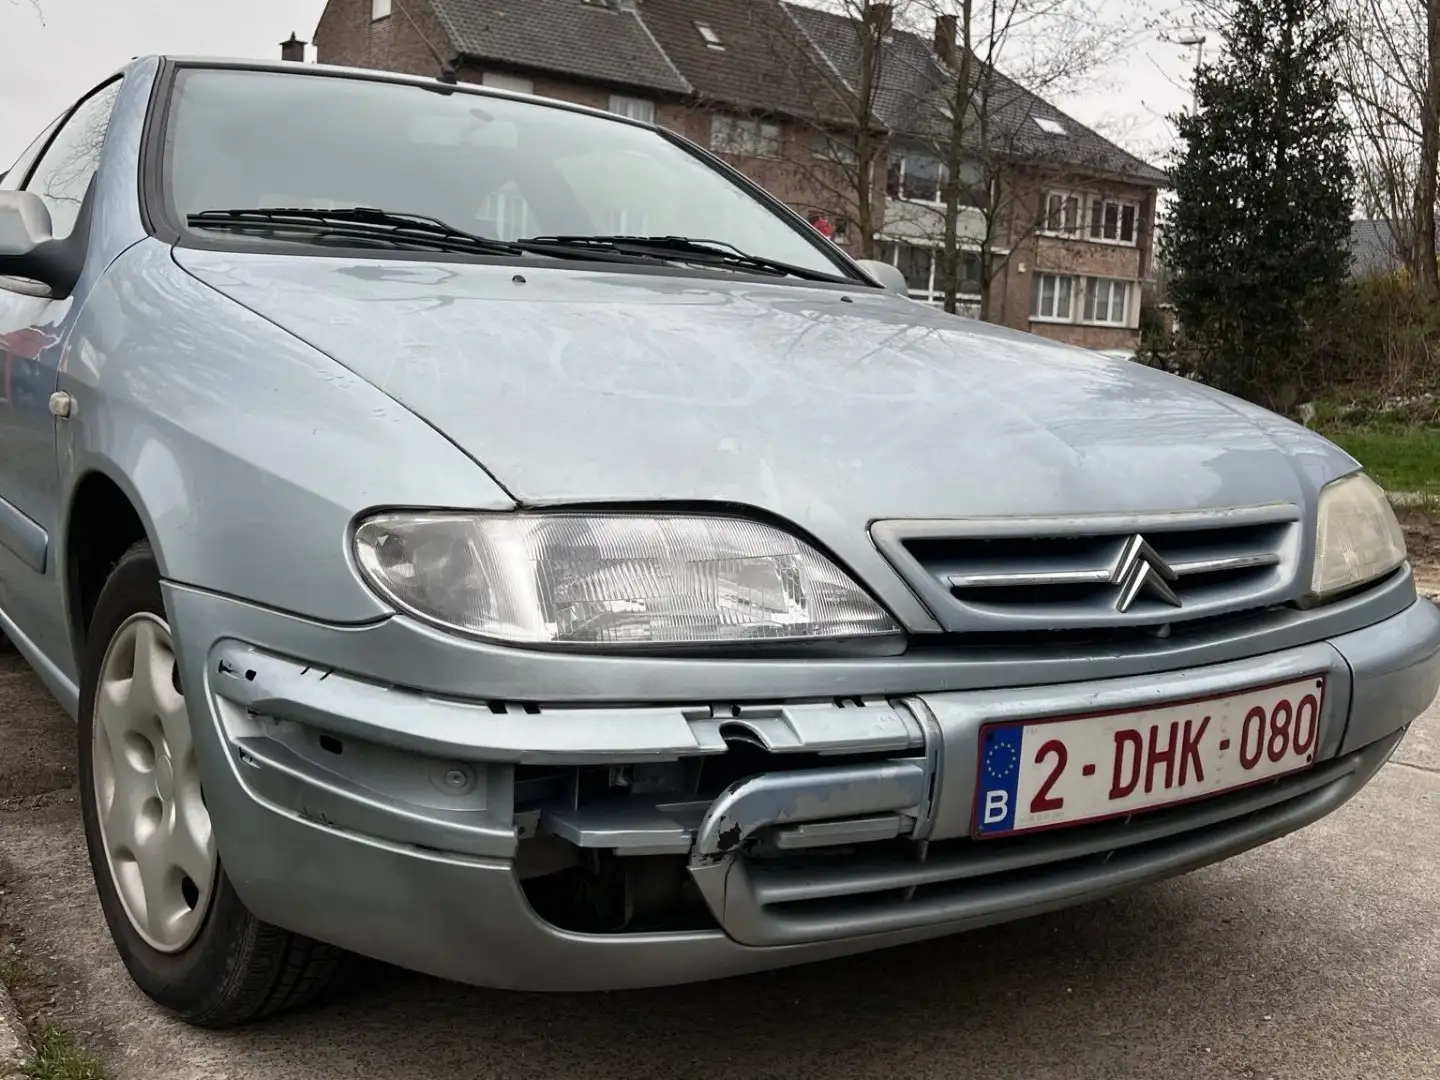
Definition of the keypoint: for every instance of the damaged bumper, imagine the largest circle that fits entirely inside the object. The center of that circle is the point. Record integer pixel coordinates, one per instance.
(527, 845)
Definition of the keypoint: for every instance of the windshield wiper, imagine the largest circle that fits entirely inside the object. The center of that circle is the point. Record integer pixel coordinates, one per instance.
(678, 248)
(355, 223)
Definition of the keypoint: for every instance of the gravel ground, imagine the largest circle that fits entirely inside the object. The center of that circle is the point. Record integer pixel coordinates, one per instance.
(1316, 957)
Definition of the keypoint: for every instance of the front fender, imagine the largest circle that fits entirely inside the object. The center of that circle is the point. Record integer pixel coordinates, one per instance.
(246, 452)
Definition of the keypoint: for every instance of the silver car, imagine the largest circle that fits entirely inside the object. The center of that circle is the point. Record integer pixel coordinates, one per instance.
(495, 537)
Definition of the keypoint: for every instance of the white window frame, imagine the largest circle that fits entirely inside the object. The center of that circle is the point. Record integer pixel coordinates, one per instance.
(1085, 217)
(1076, 286)
(1091, 286)
(1104, 202)
(744, 136)
(379, 9)
(1080, 229)
(935, 293)
(641, 109)
(709, 36)
(902, 156)
(499, 80)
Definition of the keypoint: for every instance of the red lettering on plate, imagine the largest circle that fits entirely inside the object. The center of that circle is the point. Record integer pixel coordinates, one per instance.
(1088, 770)
(1130, 738)
(1159, 757)
(1257, 717)
(1190, 750)
(1042, 800)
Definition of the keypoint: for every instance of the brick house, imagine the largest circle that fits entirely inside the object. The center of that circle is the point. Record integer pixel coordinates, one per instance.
(1059, 236)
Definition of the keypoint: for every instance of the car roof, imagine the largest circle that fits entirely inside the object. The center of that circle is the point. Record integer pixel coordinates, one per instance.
(374, 75)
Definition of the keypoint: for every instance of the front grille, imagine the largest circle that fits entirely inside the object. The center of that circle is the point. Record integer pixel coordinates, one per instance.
(1056, 577)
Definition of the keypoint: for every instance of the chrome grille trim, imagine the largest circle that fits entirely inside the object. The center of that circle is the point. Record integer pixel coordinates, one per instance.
(1105, 575)
(1036, 574)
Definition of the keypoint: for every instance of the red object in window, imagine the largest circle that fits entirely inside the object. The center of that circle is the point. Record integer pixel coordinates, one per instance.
(824, 228)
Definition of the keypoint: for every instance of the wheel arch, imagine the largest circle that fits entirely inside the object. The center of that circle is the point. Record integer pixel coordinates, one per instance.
(104, 517)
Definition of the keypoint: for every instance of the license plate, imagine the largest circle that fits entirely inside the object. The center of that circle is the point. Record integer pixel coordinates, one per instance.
(1046, 774)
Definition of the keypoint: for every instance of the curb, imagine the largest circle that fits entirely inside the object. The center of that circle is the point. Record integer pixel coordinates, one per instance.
(15, 1051)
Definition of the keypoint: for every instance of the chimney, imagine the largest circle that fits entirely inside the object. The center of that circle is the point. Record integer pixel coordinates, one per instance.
(293, 50)
(881, 17)
(946, 27)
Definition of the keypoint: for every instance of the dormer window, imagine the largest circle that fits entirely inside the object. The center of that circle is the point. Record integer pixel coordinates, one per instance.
(710, 37)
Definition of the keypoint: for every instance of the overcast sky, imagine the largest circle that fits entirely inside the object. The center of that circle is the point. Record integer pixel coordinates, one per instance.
(45, 65)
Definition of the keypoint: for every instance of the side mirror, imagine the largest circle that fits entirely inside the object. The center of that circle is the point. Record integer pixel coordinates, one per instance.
(886, 275)
(24, 224)
(27, 248)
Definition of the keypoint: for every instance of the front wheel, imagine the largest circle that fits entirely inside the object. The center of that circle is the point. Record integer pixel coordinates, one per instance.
(184, 935)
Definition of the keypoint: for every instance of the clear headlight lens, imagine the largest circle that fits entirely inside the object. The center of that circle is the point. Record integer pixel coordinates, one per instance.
(1357, 536)
(612, 579)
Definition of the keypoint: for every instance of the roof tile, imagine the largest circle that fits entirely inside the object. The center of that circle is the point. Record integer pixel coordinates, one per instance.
(606, 42)
(914, 86)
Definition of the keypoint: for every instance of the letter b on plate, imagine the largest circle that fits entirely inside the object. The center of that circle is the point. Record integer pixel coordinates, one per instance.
(997, 806)
(999, 778)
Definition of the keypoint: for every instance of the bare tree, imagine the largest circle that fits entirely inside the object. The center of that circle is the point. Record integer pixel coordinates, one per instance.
(1391, 75)
(848, 82)
(1048, 47)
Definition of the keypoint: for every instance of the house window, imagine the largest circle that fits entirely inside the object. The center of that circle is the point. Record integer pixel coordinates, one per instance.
(514, 83)
(710, 37)
(1052, 298)
(1112, 221)
(924, 271)
(833, 148)
(379, 9)
(1105, 301)
(920, 177)
(1049, 126)
(1062, 214)
(747, 138)
(915, 177)
(633, 107)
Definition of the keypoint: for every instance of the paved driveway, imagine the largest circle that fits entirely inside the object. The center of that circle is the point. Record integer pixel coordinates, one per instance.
(1316, 957)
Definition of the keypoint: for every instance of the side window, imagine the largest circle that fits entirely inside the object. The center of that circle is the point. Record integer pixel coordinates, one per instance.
(15, 175)
(63, 175)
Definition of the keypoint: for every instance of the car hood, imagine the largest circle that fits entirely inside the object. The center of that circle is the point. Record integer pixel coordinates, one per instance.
(831, 409)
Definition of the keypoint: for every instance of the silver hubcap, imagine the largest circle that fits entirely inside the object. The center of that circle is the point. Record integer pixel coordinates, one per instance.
(154, 827)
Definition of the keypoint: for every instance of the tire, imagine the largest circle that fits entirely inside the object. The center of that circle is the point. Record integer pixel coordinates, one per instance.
(203, 956)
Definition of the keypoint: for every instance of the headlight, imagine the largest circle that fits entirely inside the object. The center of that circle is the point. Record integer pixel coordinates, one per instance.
(1357, 537)
(612, 579)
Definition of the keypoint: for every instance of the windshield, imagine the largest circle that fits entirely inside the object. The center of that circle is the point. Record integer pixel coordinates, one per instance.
(501, 168)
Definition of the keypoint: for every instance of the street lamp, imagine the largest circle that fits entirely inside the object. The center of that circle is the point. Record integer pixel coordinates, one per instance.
(1197, 42)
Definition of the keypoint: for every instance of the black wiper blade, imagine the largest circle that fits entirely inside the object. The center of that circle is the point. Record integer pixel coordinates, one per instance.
(683, 248)
(358, 223)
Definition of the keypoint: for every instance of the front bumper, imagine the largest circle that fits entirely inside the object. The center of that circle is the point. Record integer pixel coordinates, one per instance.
(398, 823)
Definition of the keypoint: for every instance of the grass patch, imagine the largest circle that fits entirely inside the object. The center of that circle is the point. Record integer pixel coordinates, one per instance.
(59, 1057)
(1399, 458)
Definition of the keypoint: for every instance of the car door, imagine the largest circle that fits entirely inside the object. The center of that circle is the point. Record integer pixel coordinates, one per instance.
(60, 168)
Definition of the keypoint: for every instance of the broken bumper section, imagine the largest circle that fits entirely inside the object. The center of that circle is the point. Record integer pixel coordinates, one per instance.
(545, 847)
